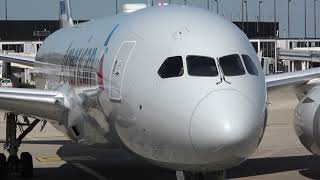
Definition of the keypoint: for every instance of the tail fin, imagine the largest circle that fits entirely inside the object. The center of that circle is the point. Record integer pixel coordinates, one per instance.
(65, 18)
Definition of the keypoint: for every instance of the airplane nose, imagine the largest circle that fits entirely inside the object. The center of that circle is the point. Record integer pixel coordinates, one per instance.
(225, 124)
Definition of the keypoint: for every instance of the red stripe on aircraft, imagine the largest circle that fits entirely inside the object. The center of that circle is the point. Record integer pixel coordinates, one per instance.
(100, 73)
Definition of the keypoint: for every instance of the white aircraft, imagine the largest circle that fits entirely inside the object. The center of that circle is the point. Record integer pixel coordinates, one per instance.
(177, 86)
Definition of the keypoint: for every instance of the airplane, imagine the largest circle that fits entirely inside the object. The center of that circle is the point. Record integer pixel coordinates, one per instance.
(177, 86)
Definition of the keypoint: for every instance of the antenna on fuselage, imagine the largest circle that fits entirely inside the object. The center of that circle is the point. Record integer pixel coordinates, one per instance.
(65, 18)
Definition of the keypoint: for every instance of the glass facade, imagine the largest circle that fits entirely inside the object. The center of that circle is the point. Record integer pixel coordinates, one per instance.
(259, 30)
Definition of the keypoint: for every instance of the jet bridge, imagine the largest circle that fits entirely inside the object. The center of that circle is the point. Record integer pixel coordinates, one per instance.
(299, 55)
(294, 59)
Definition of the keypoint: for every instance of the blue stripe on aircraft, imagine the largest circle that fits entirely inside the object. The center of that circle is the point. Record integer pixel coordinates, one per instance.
(110, 35)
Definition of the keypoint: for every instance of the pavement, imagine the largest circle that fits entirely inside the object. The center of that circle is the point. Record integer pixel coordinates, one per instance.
(279, 156)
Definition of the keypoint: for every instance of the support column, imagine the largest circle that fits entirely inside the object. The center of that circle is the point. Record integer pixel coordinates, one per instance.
(275, 57)
(6, 70)
(27, 77)
(303, 65)
(292, 67)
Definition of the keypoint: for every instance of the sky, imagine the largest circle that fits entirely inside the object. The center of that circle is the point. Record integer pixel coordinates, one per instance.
(230, 9)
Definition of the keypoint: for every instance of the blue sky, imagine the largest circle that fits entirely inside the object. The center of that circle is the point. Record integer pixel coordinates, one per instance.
(230, 9)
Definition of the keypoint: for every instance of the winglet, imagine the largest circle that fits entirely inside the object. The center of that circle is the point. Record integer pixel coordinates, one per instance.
(65, 18)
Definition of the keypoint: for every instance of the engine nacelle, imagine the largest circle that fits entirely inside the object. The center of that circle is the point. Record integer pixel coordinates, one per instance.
(307, 120)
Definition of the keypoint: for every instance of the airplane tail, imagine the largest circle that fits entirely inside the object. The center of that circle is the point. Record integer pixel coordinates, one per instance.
(65, 19)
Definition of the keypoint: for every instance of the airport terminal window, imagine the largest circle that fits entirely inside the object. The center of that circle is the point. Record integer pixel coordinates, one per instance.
(201, 66)
(18, 48)
(172, 67)
(231, 65)
(251, 68)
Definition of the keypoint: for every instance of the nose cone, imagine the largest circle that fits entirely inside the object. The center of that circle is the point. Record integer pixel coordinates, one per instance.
(223, 125)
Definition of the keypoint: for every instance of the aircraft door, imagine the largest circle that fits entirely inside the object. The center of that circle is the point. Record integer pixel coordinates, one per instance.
(118, 69)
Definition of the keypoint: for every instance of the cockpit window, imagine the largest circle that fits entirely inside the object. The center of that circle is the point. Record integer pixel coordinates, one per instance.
(172, 67)
(201, 66)
(231, 65)
(251, 68)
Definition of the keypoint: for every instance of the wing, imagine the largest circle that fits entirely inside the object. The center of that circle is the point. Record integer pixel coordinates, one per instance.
(292, 78)
(25, 60)
(38, 103)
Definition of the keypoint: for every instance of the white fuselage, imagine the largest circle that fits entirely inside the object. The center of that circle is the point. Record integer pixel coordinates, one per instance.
(109, 70)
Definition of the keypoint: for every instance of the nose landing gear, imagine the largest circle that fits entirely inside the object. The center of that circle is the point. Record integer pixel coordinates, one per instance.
(13, 164)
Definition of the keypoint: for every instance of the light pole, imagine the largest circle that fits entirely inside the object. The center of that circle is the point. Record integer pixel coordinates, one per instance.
(275, 33)
(260, 2)
(246, 27)
(305, 18)
(289, 18)
(242, 15)
(246, 2)
(116, 6)
(315, 18)
(6, 9)
(208, 3)
(257, 22)
(6, 66)
(217, 3)
(275, 17)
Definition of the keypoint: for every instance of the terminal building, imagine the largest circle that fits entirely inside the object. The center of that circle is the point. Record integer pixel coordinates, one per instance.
(276, 54)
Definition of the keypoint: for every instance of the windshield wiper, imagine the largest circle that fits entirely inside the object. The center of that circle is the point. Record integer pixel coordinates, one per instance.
(222, 76)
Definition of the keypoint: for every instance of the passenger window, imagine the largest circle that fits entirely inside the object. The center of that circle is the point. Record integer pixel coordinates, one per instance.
(172, 67)
(231, 65)
(251, 68)
(201, 66)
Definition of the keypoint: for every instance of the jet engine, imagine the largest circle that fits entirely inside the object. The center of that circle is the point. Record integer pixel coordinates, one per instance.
(307, 120)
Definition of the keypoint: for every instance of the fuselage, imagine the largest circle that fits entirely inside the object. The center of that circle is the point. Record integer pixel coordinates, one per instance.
(173, 85)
